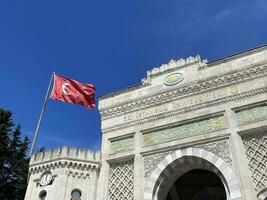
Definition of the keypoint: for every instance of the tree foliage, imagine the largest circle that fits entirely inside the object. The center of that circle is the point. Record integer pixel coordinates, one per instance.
(13, 160)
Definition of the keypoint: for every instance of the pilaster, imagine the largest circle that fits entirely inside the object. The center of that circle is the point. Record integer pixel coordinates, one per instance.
(240, 160)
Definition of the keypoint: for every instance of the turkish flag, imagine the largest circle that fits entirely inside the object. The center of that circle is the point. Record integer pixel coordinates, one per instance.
(71, 91)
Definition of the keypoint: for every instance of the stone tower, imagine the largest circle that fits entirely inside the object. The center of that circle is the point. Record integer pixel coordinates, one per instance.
(63, 173)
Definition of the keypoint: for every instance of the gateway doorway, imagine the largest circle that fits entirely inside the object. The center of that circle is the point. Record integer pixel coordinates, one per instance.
(197, 184)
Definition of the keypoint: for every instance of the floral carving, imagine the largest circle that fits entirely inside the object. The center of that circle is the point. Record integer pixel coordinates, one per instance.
(186, 130)
(121, 145)
(251, 115)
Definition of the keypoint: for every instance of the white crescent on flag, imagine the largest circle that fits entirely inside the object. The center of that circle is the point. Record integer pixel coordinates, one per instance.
(63, 88)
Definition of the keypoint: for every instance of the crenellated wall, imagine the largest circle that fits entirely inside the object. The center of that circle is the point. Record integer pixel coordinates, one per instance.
(71, 167)
(65, 152)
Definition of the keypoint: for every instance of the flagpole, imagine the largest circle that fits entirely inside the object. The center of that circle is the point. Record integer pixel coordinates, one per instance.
(41, 115)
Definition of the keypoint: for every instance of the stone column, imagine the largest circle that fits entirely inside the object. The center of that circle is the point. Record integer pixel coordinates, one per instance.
(102, 189)
(137, 167)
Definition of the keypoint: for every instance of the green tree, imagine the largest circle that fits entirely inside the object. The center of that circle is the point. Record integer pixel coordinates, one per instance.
(13, 159)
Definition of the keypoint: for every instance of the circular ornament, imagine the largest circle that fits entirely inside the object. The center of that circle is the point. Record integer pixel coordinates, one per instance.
(234, 89)
(173, 79)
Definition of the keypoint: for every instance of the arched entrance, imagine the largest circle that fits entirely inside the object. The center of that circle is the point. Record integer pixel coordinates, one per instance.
(184, 162)
(197, 184)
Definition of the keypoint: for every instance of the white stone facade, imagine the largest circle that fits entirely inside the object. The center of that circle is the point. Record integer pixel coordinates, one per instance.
(185, 115)
(71, 169)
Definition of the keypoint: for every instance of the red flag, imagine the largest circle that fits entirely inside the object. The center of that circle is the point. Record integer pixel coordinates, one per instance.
(71, 91)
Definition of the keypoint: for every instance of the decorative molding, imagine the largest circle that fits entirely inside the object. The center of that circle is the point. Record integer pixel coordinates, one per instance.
(121, 145)
(173, 79)
(69, 153)
(185, 130)
(121, 181)
(185, 91)
(251, 115)
(256, 152)
(219, 148)
(79, 175)
(175, 64)
(165, 168)
(64, 164)
(233, 98)
(151, 162)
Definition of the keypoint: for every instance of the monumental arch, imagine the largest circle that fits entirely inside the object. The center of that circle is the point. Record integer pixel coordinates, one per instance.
(191, 130)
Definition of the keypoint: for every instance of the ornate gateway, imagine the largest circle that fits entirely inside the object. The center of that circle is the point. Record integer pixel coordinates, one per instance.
(190, 130)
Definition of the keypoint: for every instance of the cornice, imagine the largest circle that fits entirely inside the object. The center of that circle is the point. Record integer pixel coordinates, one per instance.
(229, 79)
(62, 163)
(232, 98)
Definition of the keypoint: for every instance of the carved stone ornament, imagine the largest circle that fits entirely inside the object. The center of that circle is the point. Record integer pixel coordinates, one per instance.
(186, 130)
(151, 162)
(232, 98)
(78, 174)
(219, 148)
(121, 181)
(174, 64)
(185, 91)
(173, 79)
(250, 115)
(121, 145)
(256, 152)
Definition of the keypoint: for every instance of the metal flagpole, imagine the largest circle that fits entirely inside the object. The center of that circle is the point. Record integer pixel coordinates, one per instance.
(41, 115)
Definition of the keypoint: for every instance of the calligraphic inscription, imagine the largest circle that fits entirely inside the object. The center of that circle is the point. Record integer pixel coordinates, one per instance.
(185, 130)
(146, 113)
(251, 115)
(121, 145)
(182, 103)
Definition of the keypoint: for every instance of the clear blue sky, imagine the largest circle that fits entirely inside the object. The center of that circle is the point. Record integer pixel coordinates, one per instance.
(110, 44)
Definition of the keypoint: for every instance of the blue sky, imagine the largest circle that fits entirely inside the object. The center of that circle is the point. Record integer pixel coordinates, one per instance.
(110, 44)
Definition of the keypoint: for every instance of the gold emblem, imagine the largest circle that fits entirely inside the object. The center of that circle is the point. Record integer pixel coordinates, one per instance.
(234, 89)
(173, 79)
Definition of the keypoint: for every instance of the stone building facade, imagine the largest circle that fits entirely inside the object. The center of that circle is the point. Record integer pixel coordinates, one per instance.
(190, 130)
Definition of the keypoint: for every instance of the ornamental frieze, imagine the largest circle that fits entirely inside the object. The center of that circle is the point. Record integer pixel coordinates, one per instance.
(185, 91)
(186, 130)
(184, 112)
(121, 145)
(251, 115)
(182, 103)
